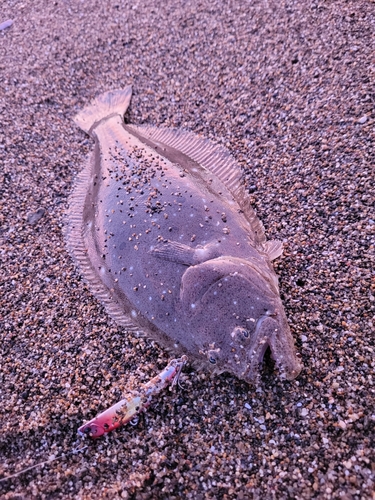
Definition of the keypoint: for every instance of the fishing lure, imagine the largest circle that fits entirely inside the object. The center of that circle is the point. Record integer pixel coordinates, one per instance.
(137, 401)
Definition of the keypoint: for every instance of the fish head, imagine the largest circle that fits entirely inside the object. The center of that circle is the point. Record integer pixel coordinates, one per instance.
(235, 313)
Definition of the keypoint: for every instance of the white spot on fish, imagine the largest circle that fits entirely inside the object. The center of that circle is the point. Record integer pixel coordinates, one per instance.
(192, 306)
(134, 313)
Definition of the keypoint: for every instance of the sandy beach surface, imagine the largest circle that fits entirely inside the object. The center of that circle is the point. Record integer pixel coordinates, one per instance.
(288, 88)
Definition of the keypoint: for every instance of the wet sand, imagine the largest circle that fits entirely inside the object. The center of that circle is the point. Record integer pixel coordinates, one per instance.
(288, 88)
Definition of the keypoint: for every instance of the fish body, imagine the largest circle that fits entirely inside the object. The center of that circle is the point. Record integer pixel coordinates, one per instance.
(161, 228)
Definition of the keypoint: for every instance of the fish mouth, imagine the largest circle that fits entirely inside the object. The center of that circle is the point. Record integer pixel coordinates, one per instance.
(263, 346)
(269, 334)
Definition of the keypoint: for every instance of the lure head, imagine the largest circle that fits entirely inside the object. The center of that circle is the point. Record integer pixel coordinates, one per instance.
(93, 430)
(237, 313)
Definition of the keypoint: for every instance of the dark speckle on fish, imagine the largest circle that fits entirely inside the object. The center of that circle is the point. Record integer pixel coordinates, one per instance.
(161, 227)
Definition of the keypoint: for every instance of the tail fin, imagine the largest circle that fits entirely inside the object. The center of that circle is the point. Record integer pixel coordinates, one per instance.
(109, 103)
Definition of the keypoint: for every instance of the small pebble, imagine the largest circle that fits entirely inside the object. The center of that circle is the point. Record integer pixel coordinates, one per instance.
(6, 24)
(342, 424)
(34, 217)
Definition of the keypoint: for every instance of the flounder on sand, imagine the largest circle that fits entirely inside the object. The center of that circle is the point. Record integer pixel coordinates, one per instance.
(161, 228)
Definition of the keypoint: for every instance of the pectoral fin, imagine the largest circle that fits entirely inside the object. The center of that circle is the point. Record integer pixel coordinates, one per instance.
(273, 248)
(173, 251)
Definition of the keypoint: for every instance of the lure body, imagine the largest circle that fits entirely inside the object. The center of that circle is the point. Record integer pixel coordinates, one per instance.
(137, 401)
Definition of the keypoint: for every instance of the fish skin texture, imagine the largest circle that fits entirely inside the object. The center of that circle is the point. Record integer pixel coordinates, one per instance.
(161, 228)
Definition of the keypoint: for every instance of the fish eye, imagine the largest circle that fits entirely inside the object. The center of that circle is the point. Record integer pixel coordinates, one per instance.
(212, 360)
(240, 333)
(213, 355)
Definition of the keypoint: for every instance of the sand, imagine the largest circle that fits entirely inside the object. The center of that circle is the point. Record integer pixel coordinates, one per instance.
(288, 87)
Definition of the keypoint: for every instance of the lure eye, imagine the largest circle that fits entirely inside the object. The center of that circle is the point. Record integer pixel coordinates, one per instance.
(212, 360)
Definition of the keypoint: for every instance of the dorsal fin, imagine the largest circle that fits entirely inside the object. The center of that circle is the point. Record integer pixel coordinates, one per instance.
(212, 157)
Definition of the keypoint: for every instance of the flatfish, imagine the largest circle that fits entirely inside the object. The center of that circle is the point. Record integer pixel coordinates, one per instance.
(161, 228)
